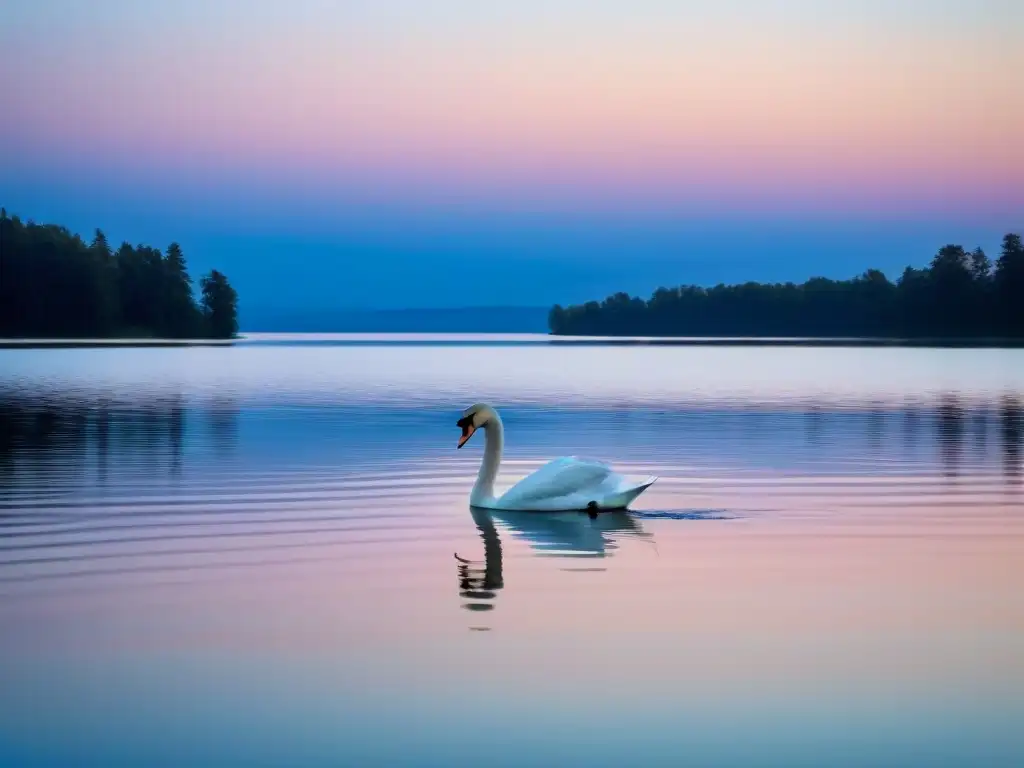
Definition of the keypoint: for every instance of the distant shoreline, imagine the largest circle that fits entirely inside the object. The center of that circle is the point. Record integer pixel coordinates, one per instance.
(73, 342)
(496, 319)
(960, 297)
(509, 339)
(753, 341)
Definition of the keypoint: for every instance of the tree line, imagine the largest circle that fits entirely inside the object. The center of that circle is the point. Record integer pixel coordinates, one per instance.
(54, 284)
(958, 295)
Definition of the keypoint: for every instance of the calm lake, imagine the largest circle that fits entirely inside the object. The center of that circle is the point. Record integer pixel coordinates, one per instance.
(263, 554)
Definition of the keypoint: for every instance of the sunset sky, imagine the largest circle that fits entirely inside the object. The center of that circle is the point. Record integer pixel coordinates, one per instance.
(405, 153)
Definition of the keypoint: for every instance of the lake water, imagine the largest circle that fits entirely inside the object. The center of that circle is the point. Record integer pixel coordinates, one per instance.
(257, 555)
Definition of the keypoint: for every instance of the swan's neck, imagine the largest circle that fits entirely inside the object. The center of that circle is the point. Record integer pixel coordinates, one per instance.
(494, 442)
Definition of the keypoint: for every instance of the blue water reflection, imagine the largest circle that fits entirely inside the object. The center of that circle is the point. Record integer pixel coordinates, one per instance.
(264, 554)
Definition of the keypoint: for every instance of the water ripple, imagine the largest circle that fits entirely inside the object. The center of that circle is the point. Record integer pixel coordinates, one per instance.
(109, 454)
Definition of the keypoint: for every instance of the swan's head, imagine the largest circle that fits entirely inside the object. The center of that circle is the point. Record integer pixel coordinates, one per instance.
(473, 418)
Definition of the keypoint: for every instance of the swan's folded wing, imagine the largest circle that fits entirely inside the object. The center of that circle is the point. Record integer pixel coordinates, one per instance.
(561, 477)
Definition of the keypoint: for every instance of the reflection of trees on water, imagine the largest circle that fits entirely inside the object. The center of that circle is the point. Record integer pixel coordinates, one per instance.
(815, 422)
(223, 424)
(911, 424)
(963, 430)
(979, 428)
(47, 436)
(102, 430)
(962, 425)
(559, 534)
(76, 435)
(1012, 428)
(876, 418)
(41, 435)
(950, 433)
(176, 434)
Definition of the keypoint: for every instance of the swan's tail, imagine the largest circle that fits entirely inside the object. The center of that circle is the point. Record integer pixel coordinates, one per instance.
(626, 493)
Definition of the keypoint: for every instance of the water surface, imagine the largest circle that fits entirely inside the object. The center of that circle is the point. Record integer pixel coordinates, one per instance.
(262, 554)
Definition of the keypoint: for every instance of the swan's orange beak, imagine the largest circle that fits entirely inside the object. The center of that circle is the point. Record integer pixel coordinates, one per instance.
(467, 430)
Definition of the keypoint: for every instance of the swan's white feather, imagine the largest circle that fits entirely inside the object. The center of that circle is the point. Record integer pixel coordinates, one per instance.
(559, 477)
(572, 483)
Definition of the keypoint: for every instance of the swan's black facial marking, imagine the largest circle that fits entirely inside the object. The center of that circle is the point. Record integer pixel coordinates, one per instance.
(468, 428)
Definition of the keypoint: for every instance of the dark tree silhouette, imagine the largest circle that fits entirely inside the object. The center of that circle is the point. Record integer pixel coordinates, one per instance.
(53, 284)
(103, 277)
(182, 316)
(957, 296)
(981, 267)
(219, 305)
(1009, 285)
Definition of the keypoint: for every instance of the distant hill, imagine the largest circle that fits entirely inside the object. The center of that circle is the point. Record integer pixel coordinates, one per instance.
(455, 320)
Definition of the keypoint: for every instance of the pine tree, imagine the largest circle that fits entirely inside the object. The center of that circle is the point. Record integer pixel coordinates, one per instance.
(984, 321)
(1009, 286)
(99, 245)
(981, 266)
(179, 306)
(220, 306)
(53, 283)
(103, 279)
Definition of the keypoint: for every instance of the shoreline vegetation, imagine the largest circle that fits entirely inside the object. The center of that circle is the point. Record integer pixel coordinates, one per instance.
(55, 286)
(961, 298)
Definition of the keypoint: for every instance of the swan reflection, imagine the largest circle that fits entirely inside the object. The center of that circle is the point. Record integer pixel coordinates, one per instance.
(559, 534)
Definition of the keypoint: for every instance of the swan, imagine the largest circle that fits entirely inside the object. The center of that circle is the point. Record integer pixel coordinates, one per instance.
(562, 485)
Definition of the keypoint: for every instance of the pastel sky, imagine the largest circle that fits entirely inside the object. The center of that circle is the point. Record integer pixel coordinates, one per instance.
(556, 150)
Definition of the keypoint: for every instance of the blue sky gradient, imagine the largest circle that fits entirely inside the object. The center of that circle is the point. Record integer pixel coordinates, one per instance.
(380, 155)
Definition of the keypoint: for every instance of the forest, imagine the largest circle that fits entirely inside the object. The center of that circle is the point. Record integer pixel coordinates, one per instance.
(959, 295)
(53, 284)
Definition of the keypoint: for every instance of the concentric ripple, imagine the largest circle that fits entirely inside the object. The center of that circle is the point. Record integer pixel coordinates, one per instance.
(162, 460)
(237, 554)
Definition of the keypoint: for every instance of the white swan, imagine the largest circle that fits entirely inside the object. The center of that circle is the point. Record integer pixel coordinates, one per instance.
(562, 485)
